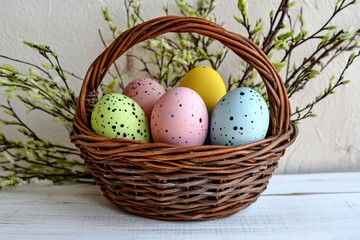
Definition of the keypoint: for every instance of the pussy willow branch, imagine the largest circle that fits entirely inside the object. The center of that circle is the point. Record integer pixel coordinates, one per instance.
(276, 23)
(19, 121)
(29, 64)
(44, 51)
(299, 113)
(310, 63)
(56, 100)
(287, 55)
(115, 65)
(337, 10)
(349, 46)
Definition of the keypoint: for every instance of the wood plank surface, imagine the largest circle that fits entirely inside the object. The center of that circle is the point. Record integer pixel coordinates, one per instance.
(307, 206)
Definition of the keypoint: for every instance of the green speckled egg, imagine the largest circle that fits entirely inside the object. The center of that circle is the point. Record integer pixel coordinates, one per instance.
(116, 115)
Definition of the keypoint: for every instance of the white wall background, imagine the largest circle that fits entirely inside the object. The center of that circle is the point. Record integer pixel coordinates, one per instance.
(330, 142)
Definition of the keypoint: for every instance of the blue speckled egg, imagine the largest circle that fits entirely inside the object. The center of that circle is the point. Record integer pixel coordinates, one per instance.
(239, 118)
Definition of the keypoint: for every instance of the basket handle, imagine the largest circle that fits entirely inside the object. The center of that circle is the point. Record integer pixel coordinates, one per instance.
(243, 47)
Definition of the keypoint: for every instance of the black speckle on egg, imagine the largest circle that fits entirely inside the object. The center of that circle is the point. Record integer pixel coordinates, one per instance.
(231, 118)
(122, 125)
(200, 120)
(138, 131)
(235, 128)
(102, 116)
(124, 135)
(242, 93)
(172, 115)
(241, 128)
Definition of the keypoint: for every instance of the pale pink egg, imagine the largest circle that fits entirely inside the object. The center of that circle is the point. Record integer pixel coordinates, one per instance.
(144, 91)
(180, 117)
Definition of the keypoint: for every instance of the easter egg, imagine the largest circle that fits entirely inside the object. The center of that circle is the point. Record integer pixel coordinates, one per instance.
(118, 116)
(239, 118)
(180, 118)
(207, 83)
(144, 91)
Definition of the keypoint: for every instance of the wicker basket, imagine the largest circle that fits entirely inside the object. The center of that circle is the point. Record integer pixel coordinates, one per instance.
(169, 182)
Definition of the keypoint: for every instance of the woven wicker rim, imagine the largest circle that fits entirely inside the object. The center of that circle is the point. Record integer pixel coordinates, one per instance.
(246, 167)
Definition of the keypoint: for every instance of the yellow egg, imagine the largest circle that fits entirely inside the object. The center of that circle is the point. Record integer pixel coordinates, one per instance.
(207, 83)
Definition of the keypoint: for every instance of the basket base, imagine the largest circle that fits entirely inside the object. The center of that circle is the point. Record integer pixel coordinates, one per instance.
(184, 199)
(203, 215)
(182, 209)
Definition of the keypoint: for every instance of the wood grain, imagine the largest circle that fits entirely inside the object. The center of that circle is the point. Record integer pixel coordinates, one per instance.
(309, 206)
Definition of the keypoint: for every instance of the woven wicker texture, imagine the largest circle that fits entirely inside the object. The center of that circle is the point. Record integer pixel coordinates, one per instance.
(169, 182)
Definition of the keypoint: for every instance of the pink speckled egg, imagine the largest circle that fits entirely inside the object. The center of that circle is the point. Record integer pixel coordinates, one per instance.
(144, 91)
(180, 117)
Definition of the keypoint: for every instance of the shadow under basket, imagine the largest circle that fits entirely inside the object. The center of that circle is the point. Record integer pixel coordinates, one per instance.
(168, 182)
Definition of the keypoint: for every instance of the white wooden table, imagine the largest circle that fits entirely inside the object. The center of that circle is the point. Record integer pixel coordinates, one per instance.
(313, 206)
